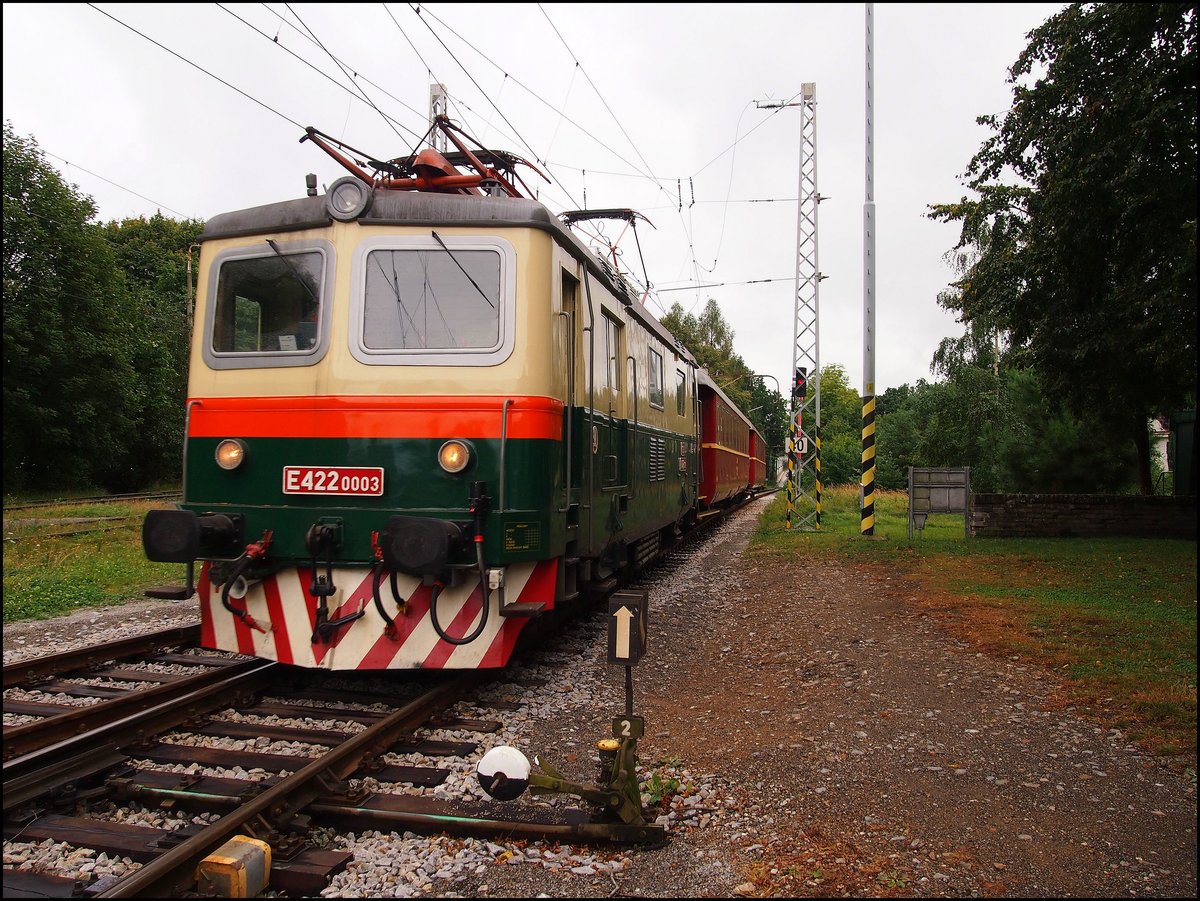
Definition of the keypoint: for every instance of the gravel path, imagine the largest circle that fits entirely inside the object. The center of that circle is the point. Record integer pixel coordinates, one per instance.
(825, 737)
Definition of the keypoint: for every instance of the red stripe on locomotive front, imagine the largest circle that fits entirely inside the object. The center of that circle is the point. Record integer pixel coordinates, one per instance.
(385, 648)
(245, 637)
(502, 645)
(375, 417)
(208, 632)
(436, 659)
(283, 644)
(542, 586)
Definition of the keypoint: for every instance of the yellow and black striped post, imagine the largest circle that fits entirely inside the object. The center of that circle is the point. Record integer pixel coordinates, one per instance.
(867, 525)
(791, 473)
(817, 464)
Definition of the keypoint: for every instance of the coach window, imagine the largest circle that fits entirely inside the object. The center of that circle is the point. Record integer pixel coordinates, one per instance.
(264, 306)
(654, 378)
(440, 300)
(680, 392)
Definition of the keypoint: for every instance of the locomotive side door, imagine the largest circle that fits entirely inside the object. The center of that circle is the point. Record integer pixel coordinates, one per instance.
(575, 428)
(614, 444)
(610, 433)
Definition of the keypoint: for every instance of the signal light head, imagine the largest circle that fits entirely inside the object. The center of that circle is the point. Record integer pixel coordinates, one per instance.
(800, 385)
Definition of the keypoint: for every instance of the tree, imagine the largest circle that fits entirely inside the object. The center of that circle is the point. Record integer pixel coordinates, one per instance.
(70, 395)
(153, 254)
(709, 338)
(898, 431)
(841, 428)
(1048, 449)
(1085, 219)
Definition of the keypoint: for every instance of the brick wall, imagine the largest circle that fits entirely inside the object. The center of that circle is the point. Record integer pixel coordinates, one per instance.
(1082, 515)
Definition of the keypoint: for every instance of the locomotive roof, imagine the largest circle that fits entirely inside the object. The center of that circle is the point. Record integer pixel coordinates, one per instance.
(428, 208)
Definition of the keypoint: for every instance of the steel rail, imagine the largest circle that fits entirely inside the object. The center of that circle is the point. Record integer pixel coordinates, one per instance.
(82, 721)
(174, 871)
(95, 499)
(406, 814)
(54, 664)
(172, 708)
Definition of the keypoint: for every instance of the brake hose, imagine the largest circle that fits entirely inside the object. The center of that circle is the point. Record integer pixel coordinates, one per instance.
(241, 565)
(376, 578)
(483, 587)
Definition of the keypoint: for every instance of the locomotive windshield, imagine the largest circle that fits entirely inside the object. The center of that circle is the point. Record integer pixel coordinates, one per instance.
(431, 299)
(268, 304)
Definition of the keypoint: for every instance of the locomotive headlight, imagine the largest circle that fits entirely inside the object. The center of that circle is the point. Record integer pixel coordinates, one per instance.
(231, 453)
(454, 456)
(348, 198)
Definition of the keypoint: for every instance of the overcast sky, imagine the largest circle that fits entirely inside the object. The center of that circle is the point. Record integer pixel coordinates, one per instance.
(628, 105)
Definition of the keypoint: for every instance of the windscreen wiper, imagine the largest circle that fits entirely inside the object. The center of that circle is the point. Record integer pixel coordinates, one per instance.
(464, 271)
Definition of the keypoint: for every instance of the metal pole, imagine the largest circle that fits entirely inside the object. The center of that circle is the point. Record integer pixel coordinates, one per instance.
(438, 106)
(867, 521)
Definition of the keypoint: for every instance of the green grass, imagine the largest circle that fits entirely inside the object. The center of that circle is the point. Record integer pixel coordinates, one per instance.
(48, 575)
(1115, 616)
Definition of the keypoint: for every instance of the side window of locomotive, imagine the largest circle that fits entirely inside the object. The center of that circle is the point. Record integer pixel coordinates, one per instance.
(680, 392)
(654, 379)
(432, 299)
(612, 353)
(266, 308)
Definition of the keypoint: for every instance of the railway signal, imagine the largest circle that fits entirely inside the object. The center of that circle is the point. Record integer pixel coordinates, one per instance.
(627, 627)
(800, 385)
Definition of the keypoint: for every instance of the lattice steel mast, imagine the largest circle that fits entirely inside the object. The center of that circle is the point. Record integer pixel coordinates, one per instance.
(804, 433)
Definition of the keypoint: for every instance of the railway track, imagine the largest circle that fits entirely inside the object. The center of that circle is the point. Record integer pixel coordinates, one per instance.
(236, 746)
(93, 499)
(222, 744)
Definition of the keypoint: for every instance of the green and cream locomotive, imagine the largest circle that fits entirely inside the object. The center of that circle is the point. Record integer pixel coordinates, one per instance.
(421, 415)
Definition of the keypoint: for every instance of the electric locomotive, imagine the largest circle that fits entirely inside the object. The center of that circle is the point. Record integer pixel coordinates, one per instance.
(422, 414)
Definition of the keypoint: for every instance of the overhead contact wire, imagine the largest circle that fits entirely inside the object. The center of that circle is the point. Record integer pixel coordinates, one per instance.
(197, 66)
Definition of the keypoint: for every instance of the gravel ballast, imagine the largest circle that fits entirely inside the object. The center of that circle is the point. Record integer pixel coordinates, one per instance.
(810, 731)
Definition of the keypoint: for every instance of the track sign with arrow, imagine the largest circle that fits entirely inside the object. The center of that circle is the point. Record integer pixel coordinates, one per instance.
(627, 626)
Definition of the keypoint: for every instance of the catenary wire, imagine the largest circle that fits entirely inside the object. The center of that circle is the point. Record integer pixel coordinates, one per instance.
(349, 75)
(323, 74)
(114, 184)
(197, 66)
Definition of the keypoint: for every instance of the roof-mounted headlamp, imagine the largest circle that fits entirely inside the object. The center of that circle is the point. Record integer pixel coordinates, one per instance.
(348, 198)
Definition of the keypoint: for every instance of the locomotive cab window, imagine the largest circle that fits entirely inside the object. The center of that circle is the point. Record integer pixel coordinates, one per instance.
(268, 306)
(680, 392)
(439, 300)
(654, 379)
